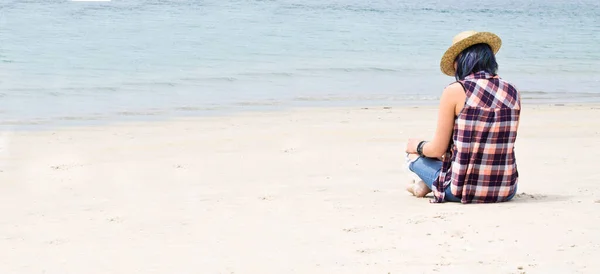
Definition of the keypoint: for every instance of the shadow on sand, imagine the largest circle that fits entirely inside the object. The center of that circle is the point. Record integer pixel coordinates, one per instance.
(538, 198)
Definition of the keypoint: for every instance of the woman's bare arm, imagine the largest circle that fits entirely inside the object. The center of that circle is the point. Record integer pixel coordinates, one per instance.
(443, 133)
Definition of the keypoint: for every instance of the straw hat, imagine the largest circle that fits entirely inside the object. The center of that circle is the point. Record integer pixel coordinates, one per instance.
(464, 40)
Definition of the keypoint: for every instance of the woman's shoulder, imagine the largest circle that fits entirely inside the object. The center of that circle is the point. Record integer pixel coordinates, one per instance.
(455, 88)
(454, 93)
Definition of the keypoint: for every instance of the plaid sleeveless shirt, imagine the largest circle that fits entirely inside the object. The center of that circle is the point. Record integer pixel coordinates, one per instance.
(480, 165)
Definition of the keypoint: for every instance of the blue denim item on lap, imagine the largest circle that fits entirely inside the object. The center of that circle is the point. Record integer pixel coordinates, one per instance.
(428, 170)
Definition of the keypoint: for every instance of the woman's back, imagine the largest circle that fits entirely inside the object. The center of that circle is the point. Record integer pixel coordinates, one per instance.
(482, 166)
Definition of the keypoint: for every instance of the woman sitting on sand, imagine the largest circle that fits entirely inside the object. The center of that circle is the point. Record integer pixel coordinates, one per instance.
(471, 157)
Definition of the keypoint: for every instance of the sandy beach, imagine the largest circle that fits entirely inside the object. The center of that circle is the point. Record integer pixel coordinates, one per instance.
(300, 191)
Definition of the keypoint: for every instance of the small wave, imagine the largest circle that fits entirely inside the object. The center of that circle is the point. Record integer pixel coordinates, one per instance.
(169, 84)
(259, 103)
(79, 118)
(32, 92)
(25, 89)
(364, 69)
(139, 113)
(533, 92)
(406, 97)
(216, 78)
(589, 95)
(536, 98)
(57, 92)
(8, 5)
(314, 99)
(334, 7)
(91, 88)
(360, 9)
(474, 10)
(537, 94)
(283, 74)
(196, 108)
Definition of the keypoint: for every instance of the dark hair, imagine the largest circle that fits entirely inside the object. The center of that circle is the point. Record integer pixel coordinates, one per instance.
(476, 58)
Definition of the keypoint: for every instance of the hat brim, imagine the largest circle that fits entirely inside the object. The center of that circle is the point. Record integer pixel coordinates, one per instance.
(447, 62)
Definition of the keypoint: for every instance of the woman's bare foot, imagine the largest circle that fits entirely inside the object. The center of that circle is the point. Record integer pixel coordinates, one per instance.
(420, 189)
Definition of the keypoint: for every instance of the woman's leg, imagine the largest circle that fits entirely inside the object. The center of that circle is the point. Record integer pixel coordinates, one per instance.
(414, 180)
(427, 169)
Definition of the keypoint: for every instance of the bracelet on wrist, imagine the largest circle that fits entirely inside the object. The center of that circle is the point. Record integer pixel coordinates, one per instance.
(420, 148)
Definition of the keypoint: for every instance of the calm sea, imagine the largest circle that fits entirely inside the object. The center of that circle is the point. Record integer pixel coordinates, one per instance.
(75, 62)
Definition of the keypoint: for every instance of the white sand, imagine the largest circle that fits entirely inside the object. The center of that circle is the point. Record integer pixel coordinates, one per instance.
(303, 191)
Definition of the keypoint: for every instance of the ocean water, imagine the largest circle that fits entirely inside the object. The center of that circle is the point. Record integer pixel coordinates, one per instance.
(75, 62)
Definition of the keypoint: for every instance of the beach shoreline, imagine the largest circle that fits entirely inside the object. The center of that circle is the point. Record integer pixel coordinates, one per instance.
(191, 113)
(310, 190)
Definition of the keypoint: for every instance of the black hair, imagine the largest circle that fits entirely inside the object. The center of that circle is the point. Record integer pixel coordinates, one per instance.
(476, 58)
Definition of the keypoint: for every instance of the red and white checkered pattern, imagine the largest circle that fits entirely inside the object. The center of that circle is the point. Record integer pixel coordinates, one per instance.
(480, 166)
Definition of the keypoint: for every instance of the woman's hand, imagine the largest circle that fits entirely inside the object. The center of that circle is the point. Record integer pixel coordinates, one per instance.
(411, 146)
